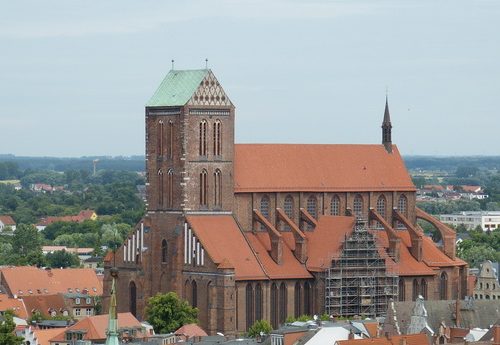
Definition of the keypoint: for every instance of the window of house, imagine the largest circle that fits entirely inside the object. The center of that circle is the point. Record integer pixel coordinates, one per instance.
(160, 187)
(88, 311)
(218, 187)
(358, 206)
(312, 206)
(203, 188)
(265, 208)
(77, 300)
(217, 138)
(203, 138)
(170, 146)
(89, 300)
(170, 188)
(164, 251)
(77, 312)
(161, 133)
(443, 286)
(381, 207)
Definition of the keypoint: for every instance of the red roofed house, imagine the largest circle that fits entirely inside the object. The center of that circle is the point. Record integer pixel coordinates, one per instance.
(263, 231)
(7, 221)
(79, 218)
(28, 281)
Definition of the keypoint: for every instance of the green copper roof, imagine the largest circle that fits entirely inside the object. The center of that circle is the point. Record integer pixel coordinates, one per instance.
(177, 88)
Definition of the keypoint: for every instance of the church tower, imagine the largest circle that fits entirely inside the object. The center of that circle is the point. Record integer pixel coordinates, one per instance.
(189, 144)
(387, 128)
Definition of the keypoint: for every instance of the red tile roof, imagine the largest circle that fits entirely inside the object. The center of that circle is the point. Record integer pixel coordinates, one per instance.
(23, 279)
(7, 220)
(96, 326)
(44, 303)
(80, 217)
(191, 330)
(14, 304)
(223, 241)
(312, 168)
(411, 339)
(44, 335)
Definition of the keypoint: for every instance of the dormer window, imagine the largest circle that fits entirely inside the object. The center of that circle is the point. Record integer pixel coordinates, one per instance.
(77, 300)
(70, 290)
(88, 300)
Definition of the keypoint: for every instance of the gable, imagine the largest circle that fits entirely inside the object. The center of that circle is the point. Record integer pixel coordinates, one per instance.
(209, 93)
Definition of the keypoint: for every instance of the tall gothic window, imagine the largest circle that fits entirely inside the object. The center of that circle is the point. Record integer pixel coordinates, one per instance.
(283, 303)
(203, 188)
(217, 138)
(288, 208)
(416, 289)
(133, 298)
(312, 206)
(298, 299)
(160, 187)
(335, 206)
(164, 251)
(381, 206)
(358, 206)
(307, 298)
(160, 136)
(170, 188)
(265, 208)
(443, 286)
(423, 288)
(402, 289)
(170, 146)
(249, 305)
(403, 205)
(258, 302)
(218, 187)
(274, 305)
(203, 138)
(194, 294)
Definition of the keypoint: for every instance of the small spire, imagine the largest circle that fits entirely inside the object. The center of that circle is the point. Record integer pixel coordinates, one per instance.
(387, 127)
(173, 63)
(387, 116)
(206, 63)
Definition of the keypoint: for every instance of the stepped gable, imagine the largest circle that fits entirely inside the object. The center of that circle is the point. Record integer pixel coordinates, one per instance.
(224, 242)
(318, 168)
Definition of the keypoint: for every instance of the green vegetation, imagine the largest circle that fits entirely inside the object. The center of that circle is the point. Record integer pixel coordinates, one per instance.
(480, 247)
(167, 312)
(259, 326)
(7, 327)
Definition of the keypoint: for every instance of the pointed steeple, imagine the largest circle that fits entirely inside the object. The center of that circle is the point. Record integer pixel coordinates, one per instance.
(387, 128)
(112, 332)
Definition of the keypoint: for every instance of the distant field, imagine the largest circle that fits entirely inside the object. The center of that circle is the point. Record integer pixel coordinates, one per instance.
(10, 181)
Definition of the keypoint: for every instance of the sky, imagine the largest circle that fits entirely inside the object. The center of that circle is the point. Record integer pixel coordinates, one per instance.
(75, 75)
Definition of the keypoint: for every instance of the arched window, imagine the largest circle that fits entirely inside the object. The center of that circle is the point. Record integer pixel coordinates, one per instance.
(283, 303)
(170, 189)
(249, 305)
(307, 298)
(160, 187)
(288, 206)
(217, 138)
(312, 206)
(194, 292)
(217, 187)
(161, 134)
(265, 208)
(402, 289)
(298, 299)
(357, 206)
(170, 147)
(164, 251)
(258, 302)
(423, 288)
(403, 205)
(203, 188)
(274, 305)
(203, 138)
(133, 298)
(416, 289)
(335, 206)
(381, 207)
(443, 286)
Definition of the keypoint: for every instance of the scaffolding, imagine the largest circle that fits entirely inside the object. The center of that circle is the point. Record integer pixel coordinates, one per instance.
(360, 281)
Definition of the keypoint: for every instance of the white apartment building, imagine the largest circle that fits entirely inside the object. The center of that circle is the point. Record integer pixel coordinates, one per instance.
(488, 220)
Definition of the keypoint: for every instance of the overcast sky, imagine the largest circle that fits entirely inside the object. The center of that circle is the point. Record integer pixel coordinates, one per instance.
(75, 75)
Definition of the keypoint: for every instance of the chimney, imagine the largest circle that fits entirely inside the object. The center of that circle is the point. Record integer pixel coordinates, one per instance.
(351, 335)
(402, 341)
(496, 334)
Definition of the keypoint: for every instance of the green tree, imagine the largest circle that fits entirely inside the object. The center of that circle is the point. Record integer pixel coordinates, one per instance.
(7, 327)
(259, 326)
(28, 245)
(62, 258)
(167, 312)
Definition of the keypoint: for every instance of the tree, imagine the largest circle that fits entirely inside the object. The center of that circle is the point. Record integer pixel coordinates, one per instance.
(7, 327)
(62, 258)
(167, 312)
(260, 326)
(28, 245)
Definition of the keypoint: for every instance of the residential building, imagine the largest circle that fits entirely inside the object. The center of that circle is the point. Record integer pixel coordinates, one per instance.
(251, 231)
(487, 220)
(79, 218)
(487, 284)
(28, 280)
(82, 253)
(7, 221)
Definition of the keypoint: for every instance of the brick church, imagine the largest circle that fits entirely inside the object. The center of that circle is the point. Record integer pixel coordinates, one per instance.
(266, 231)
